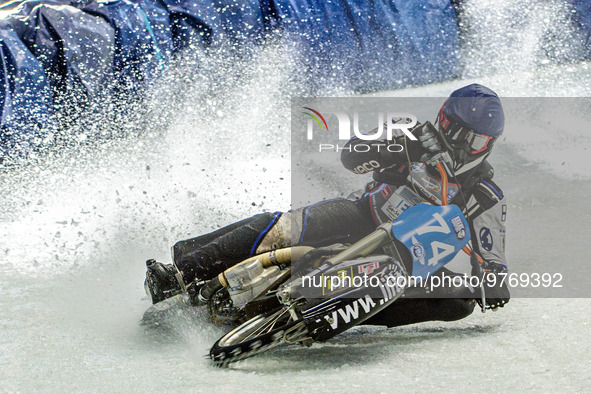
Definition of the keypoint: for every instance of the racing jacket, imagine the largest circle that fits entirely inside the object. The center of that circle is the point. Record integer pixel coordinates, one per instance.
(401, 180)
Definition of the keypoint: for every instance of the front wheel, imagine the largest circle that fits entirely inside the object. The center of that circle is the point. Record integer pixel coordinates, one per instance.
(257, 335)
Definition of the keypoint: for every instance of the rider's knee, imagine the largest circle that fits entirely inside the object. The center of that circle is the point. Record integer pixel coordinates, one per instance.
(279, 233)
(406, 311)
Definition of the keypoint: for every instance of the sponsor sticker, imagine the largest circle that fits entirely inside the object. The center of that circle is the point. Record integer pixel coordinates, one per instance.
(486, 240)
(458, 226)
(398, 202)
(431, 184)
(368, 268)
(418, 251)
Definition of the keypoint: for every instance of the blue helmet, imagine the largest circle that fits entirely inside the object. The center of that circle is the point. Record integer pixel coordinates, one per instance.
(470, 121)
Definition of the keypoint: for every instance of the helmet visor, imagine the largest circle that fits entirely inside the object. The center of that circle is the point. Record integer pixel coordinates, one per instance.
(478, 142)
(457, 134)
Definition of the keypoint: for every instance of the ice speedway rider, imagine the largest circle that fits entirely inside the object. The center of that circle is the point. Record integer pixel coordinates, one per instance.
(467, 126)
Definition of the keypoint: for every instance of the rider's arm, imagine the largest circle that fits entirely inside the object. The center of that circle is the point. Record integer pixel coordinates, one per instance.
(361, 156)
(487, 212)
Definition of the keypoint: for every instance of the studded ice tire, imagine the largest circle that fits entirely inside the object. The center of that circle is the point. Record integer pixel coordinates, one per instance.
(257, 335)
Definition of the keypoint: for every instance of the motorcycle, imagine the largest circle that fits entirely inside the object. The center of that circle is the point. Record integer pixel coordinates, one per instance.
(348, 284)
(305, 295)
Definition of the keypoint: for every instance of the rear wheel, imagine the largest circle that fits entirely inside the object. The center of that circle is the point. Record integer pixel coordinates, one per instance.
(257, 335)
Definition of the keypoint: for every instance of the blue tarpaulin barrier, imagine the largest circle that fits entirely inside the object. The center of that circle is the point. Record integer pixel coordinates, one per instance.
(143, 39)
(26, 102)
(582, 16)
(59, 55)
(369, 45)
(215, 23)
(75, 48)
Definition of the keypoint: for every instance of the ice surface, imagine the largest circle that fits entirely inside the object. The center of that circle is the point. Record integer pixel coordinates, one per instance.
(75, 228)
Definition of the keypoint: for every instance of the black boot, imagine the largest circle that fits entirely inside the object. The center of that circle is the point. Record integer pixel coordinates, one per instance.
(162, 281)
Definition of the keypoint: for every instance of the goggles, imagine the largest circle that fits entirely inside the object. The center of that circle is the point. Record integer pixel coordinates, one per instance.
(457, 134)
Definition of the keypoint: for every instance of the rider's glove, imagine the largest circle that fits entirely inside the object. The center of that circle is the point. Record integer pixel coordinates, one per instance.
(427, 135)
(494, 281)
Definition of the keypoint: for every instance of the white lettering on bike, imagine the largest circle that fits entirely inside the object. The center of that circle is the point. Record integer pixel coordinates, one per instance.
(351, 311)
(436, 246)
(440, 249)
(442, 228)
(367, 304)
